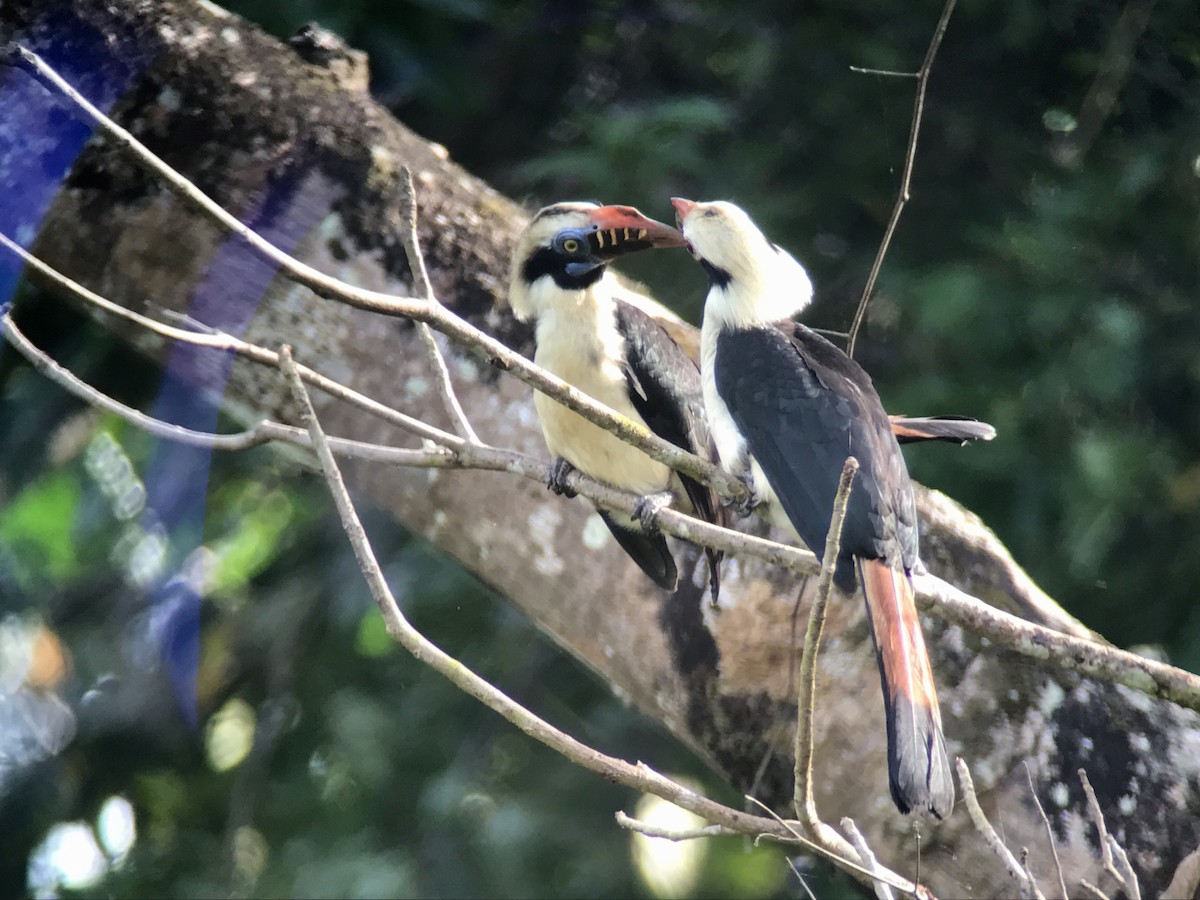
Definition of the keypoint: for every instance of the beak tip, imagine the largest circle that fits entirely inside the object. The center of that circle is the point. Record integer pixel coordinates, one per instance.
(682, 208)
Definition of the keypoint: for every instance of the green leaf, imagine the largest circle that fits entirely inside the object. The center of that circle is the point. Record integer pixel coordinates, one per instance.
(39, 521)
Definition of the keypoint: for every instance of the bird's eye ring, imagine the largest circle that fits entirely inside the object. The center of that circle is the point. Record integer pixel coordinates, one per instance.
(570, 245)
(710, 214)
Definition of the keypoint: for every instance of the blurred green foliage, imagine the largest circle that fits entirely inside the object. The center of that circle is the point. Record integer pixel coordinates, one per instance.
(1044, 277)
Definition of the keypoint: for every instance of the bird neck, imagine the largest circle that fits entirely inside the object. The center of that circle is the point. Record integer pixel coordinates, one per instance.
(770, 287)
(531, 299)
(573, 322)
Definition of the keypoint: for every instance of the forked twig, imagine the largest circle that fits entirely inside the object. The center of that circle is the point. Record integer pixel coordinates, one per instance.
(220, 341)
(910, 158)
(416, 264)
(262, 432)
(1108, 845)
(1016, 871)
(399, 628)
(882, 890)
(1129, 879)
(846, 862)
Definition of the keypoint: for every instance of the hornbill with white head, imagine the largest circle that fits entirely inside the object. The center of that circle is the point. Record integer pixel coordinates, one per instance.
(786, 408)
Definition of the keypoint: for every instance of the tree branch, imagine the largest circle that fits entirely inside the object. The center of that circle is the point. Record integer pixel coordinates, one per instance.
(805, 805)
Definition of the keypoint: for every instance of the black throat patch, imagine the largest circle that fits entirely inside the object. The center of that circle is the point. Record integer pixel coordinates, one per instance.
(718, 276)
(548, 262)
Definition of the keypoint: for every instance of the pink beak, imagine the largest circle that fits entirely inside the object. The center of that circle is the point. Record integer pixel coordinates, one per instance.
(622, 228)
(683, 209)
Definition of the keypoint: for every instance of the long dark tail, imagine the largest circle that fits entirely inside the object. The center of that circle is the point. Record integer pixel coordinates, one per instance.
(955, 429)
(649, 551)
(918, 768)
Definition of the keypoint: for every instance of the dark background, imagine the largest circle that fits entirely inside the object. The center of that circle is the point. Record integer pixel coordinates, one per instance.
(1044, 278)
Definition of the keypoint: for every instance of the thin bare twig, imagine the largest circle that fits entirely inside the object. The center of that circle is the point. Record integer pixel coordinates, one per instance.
(882, 890)
(1062, 883)
(1111, 75)
(1093, 890)
(847, 862)
(417, 310)
(1015, 870)
(1029, 879)
(800, 878)
(672, 834)
(1106, 854)
(1129, 879)
(260, 433)
(889, 73)
(802, 798)
(910, 158)
(217, 340)
(416, 264)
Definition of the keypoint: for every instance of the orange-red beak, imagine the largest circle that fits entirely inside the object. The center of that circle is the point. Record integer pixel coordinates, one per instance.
(623, 229)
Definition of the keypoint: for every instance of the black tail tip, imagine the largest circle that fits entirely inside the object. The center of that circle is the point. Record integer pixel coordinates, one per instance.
(649, 551)
(919, 772)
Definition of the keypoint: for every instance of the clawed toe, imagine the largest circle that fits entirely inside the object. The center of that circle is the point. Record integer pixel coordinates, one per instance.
(647, 508)
(560, 469)
(744, 506)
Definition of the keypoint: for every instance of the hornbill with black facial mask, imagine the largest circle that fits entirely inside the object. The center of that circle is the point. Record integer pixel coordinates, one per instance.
(597, 334)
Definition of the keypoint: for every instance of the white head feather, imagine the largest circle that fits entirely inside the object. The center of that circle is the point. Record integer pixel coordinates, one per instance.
(765, 283)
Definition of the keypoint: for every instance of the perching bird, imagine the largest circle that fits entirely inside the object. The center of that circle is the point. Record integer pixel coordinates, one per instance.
(786, 408)
(597, 335)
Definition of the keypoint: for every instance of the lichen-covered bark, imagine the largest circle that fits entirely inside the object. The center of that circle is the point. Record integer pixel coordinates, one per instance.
(300, 152)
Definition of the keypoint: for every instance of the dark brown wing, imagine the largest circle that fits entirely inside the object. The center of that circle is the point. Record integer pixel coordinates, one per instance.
(665, 389)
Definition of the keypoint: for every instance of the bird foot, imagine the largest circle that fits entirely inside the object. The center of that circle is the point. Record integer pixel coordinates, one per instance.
(746, 505)
(647, 508)
(557, 482)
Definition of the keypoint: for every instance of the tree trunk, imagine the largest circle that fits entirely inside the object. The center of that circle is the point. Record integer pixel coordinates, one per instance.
(299, 151)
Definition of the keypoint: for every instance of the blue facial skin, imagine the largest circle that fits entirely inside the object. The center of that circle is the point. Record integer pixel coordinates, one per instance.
(577, 244)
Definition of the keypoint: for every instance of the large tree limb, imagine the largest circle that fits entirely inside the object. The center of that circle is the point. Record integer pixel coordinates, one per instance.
(289, 148)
